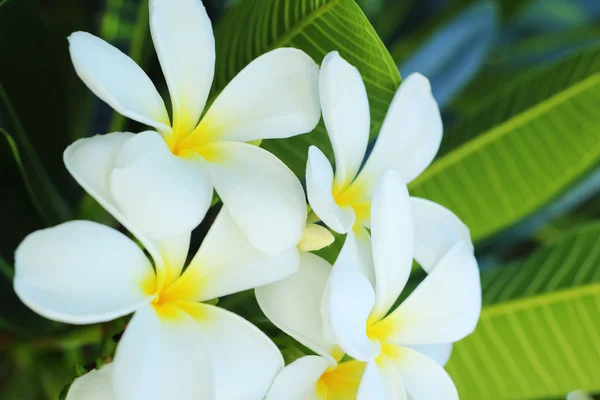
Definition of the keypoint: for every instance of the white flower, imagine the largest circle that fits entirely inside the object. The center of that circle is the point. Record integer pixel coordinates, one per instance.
(171, 175)
(344, 309)
(408, 141)
(174, 347)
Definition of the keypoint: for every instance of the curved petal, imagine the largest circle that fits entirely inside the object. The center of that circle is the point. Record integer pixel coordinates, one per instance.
(437, 229)
(95, 385)
(380, 381)
(410, 135)
(294, 304)
(117, 80)
(227, 263)
(82, 272)
(349, 299)
(90, 161)
(392, 238)
(319, 188)
(164, 195)
(444, 308)
(315, 237)
(184, 41)
(440, 353)
(275, 96)
(298, 381)
(163, 355)
(264, 198)
(423, 378)
(240, 352)
(346, 115)
(174, 252)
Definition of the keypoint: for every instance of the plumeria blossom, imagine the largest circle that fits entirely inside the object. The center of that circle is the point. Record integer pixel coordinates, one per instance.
(408, 141)
(170, 173)
(174, 346)
(345, 309)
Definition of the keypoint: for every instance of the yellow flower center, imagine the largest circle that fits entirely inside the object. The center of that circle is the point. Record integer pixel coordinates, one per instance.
(340, 382)
(353, 195)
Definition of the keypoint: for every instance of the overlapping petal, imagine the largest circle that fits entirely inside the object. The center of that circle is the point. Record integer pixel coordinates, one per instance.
(440, 353)
(294, 303)
(345, 113)
(95, 385)
(264, 198)
(185, 45)
(275, 96)
(319, 185)
(163, 354)
(118, 80)
(81, 272)
(298, 381)
(380, 381)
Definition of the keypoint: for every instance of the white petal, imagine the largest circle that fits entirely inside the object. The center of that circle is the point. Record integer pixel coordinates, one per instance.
(184, 41)
(298, 381)
(315, 237)
(163, 355)
(117, 80)
(81, 272)
(410, 135)
(90, 161)
(162, 194)
(392, 238)
(345, 113)
(578, 395)
(423, 378)
(174, 252)
(227, 263)
(245, 360)
(349, 301)
(294, 303)
(275, 96)
(263, 196)
(437, 229)
(95, 385)
(380, 382)
(444, 308)
(440, 353)
(364, 248)
(319, 188)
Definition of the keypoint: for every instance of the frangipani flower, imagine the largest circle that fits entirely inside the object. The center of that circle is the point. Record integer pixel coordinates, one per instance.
(174, 346)
(171, 175)
(408, 141)
(345, 309)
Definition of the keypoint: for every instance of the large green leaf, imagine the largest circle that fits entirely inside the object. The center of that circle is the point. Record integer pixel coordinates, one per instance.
(317, 27)
(539, 332)
(520, 147)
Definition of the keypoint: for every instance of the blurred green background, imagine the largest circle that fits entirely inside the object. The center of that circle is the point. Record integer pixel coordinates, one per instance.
(519, 86)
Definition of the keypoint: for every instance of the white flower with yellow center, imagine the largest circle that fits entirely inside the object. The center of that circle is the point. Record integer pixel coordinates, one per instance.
(175, 347)
(170, 174)
(408, 141)
(346, 309)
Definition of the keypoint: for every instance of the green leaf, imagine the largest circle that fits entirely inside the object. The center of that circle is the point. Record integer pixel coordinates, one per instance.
(520, 147)
(538, 332)
(316, 27)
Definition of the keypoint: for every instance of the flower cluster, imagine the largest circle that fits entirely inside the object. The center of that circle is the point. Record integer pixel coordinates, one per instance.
(159, 185)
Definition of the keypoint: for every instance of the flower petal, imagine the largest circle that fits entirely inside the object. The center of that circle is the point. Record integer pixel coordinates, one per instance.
(227, 263)
(294, 304)
(184, 41)
(264, 198)
(95, 385)
(275, 96)
(345, 113)
(315, 237)
(164, 195)
(81, 272)
(444, 308)
(392, 238)
(349, 299)
(241, 353)
(437, 229)
(174, 252)
(410, 135)
(163, 354)
(380, 381)
(423, 378)
(319, 188)
(440, 353)
(298, 380)
(117, 80)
